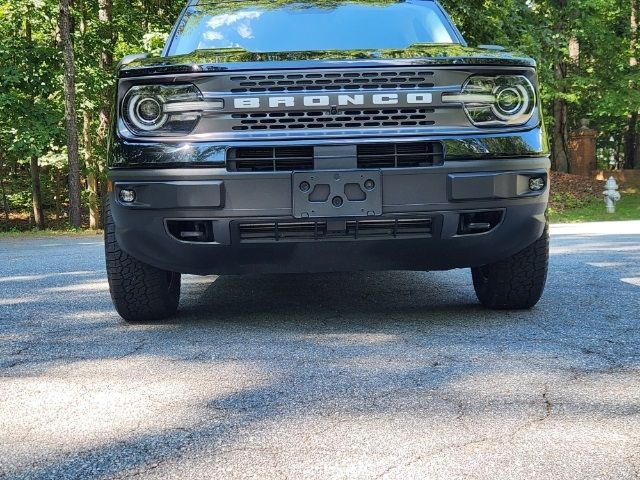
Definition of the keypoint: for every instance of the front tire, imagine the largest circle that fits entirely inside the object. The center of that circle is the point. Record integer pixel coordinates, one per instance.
(517, 282)
(140, 292)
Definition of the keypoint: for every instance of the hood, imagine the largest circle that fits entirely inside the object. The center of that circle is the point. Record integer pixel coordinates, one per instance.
(239, 59)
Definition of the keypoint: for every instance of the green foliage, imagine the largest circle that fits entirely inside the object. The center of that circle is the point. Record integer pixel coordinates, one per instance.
(600, 84)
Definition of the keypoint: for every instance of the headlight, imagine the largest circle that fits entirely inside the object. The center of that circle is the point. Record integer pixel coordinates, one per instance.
(496, 101)
(165, 109)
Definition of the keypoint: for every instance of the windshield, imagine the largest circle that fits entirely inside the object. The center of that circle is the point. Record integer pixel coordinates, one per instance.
(311, 26)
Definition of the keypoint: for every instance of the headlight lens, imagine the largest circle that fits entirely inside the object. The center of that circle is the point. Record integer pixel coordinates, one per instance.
(155, 110)
(496, 101)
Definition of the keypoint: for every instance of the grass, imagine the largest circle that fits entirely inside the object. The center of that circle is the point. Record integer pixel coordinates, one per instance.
(48, 233)
(628, 208)
(20, 224)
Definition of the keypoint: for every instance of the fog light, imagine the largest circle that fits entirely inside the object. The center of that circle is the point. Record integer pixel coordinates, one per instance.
(127, 196)
(537, 184)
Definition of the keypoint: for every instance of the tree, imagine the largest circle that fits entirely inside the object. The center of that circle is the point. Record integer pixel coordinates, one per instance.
(53, 75)
(75, 218)
(3, 192)
(631, 132)
(36, 188)
(29, 120)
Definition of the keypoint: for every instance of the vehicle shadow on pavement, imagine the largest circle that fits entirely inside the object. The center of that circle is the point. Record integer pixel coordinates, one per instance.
(373, 297)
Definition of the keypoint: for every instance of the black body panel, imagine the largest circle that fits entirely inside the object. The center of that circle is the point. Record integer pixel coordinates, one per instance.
(447, 192)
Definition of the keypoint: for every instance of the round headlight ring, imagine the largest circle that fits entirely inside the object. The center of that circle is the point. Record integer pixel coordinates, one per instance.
(137, 116)
(149, 110)
(509, 100)
(511, 111)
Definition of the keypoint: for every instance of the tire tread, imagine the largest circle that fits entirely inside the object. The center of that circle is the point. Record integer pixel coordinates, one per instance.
(516, 282)
(140, 292)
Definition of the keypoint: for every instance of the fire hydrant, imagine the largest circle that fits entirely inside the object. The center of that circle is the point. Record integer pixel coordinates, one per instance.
(611, 195)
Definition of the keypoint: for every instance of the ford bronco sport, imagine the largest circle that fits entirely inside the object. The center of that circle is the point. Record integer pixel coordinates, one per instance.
(322, 136)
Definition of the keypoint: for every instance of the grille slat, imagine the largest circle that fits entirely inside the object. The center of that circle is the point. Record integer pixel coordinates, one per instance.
(269, 159)
(400, 155)
(346, 119)
(374, 155)
(332, 81)
(380, 229)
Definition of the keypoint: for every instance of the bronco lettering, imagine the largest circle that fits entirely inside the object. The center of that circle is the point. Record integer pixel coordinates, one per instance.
(417, 98)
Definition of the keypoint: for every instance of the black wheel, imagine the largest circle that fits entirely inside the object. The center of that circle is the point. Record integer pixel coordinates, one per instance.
(516, 282)
(140, 292)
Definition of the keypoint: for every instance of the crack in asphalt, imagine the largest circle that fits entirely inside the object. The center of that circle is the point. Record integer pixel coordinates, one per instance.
(499, 439)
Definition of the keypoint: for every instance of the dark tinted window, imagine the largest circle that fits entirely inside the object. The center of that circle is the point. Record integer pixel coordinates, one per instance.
(277, 27)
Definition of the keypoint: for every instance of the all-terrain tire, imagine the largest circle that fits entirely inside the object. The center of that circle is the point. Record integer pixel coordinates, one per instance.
(516, 282)
(140, 292)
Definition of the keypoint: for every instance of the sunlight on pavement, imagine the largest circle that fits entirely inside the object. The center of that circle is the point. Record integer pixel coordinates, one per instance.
(82, 287)
(36, 278)
(90, 403)
(597, 228)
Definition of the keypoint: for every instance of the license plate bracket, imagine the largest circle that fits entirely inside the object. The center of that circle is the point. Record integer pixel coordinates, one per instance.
(343, 193)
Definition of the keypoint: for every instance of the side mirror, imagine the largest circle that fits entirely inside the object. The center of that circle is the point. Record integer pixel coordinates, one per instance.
(131, 58)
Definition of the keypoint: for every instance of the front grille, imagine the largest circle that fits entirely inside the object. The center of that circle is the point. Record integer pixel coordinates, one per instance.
(406, 117)
(366, 229)
(332, 81)
(278, 103)
(373, 155)
(400, 155)
(269, 159)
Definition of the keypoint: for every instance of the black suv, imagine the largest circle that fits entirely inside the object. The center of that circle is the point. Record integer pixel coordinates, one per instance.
(315, 136)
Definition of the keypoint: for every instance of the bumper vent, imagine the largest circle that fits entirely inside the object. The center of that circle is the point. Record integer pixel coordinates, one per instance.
(380, 229)
(475, 223)
(388, 118)
(269, 159)
(375, 155)
(332, 81)
(192, 231)
(400, 155)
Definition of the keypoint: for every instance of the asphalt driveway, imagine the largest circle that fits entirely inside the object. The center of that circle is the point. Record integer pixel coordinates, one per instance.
(381, 375)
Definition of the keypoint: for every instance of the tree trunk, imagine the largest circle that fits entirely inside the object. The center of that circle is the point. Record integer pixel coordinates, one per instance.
(574, 51)
(5, 203)
(630, 141)
(106, 63)
(631, 132)
(92, 179)
(34, 167)
(105, 17)
(75, 218)
(560, 156)
(36, 194)
(57, 181)
(560, 152)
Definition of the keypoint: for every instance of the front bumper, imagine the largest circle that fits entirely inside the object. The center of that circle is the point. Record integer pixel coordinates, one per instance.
(440, 195)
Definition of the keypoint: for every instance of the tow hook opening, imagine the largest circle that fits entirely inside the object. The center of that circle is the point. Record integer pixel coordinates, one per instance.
(474, 223)
(194, 231)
